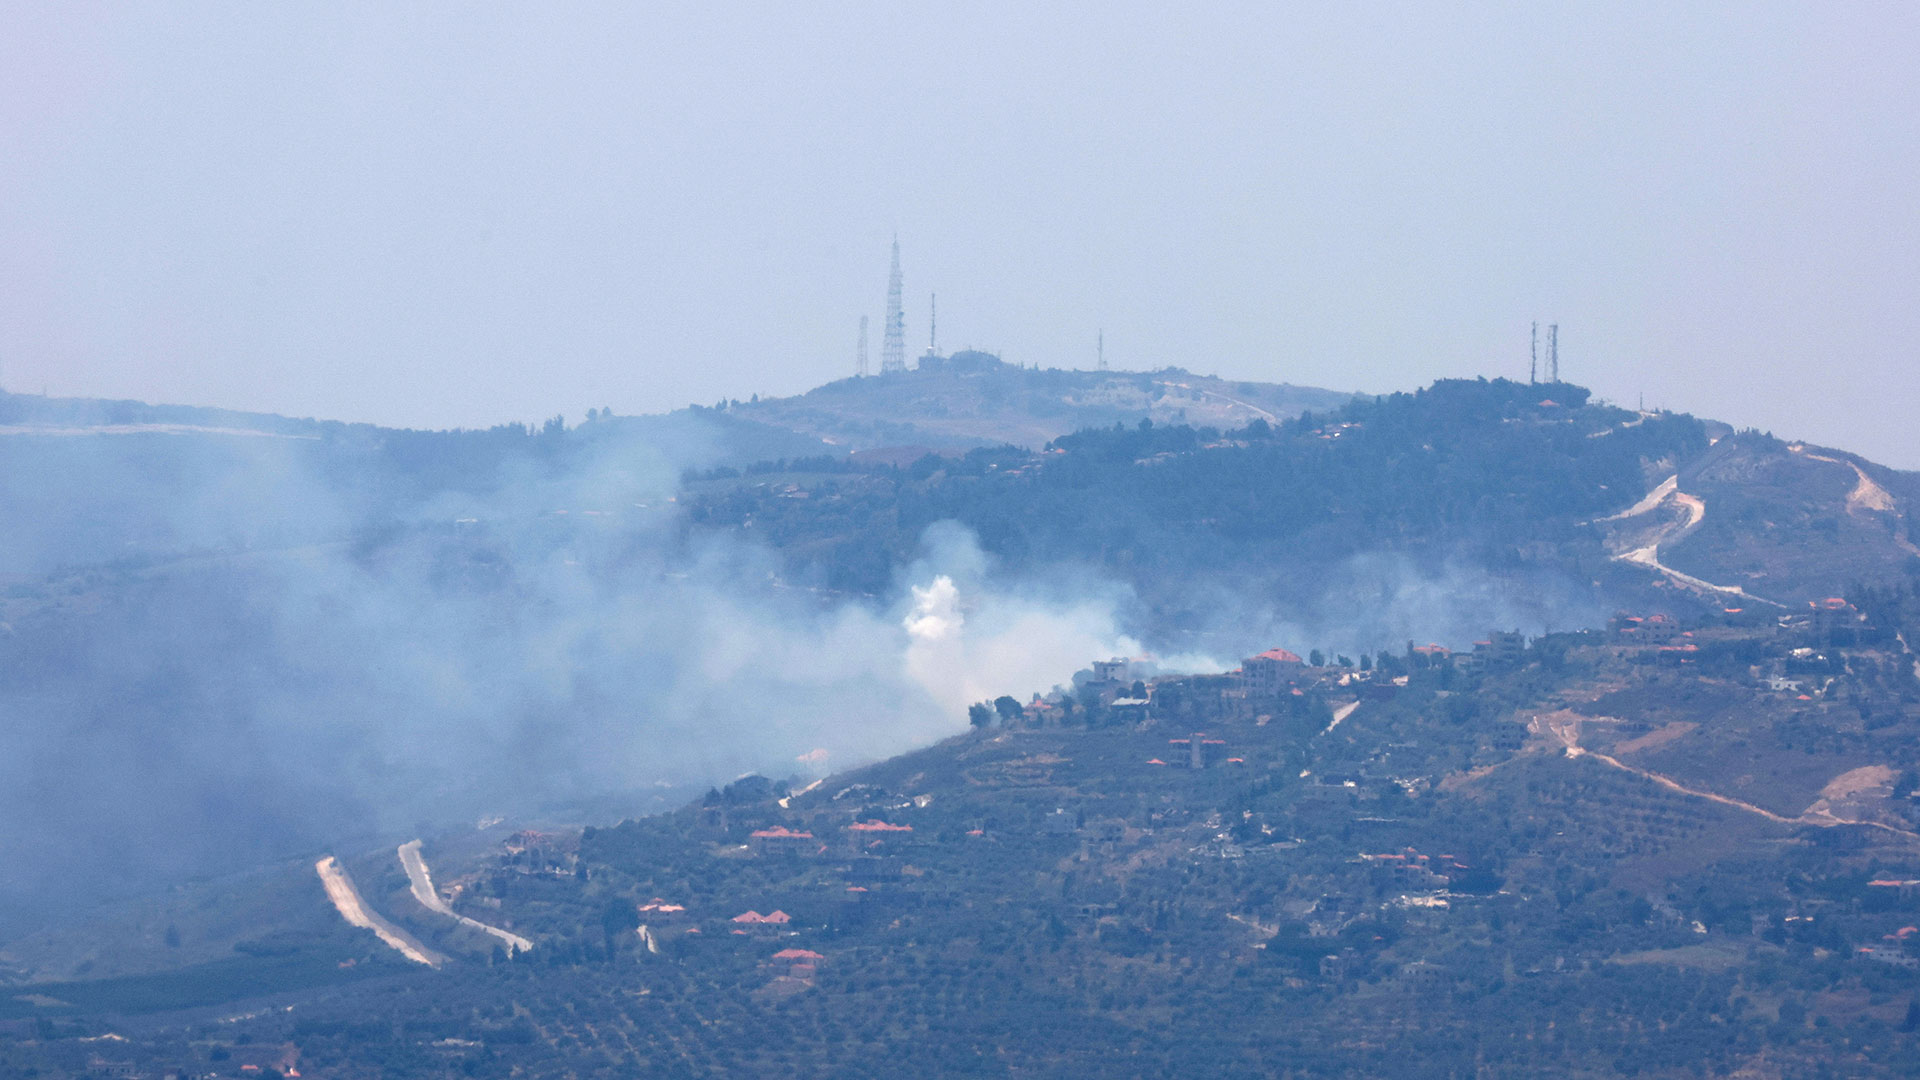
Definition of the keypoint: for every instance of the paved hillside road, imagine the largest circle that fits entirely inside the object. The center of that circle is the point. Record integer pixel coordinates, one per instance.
(423, 891)
(1248, 405)
(346, 900)
(1867, 495)
(1648, 554)
(1566, 732)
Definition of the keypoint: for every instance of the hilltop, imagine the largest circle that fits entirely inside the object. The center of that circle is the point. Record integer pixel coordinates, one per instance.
(1532, 502)
(113, 481)
(972, 399)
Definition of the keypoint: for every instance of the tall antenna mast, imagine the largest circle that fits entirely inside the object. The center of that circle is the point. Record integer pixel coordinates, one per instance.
(893, 346)
(1100, 349)
(1533, 356)
(933, 324)
(1553, 354)
(860, 356)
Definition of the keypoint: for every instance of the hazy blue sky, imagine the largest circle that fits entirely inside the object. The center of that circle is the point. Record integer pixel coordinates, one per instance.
(439, 214)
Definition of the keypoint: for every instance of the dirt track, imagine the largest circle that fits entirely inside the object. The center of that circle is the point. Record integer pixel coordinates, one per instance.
(1648, 554)
(346, 900)
(1566, 732)
(421, 882)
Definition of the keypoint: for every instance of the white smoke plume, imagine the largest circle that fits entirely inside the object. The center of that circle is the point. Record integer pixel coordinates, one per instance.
(542, 647)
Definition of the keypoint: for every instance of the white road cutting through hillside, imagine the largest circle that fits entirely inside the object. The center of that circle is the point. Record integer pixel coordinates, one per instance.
(346, 900)
(1341, 713)
(1647, 502)
(1867, 495)
(1247, 405)
(422, 884)
(1568, 736)
(1648, 555)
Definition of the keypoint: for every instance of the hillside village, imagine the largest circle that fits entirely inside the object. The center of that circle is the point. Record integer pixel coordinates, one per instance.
(1724, 805)
(1687, 834)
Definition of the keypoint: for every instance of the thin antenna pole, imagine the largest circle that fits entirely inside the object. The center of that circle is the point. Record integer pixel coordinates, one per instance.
(1533, 356)
(933, 324)
(860, 361)
(1100, 349)
(1553, 354)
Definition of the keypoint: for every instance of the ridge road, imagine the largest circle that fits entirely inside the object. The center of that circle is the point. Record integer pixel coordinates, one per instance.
(1648, 555)
(346, 900)
(421, 883)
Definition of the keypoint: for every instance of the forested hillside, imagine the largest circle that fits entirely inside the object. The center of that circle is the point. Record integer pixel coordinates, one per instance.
(1496, 475)
(1506, 479)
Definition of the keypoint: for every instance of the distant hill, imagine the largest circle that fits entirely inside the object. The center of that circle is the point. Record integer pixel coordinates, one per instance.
(972, 399)
(1569, 508)
(150, 546)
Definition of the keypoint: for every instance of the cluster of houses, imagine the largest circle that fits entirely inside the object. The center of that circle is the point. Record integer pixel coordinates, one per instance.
(858, 838)
(1124, 694)
(531, 851)
(1803, 663)
(1414, 870)
(659, 917)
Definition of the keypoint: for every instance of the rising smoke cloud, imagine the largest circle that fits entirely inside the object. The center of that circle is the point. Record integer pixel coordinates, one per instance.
(549, 645)
(546, 640)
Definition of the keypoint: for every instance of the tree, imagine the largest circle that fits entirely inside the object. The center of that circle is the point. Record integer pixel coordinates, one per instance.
(617, 917)
(1007, 707)
(1316, 659)
(980, 714)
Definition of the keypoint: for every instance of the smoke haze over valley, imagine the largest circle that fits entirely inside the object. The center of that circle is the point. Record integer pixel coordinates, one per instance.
(531, 648)
(228, 648)
(1233, 543)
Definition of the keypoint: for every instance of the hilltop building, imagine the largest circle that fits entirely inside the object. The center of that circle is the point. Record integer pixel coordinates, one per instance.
(1271, 671)
(1503, 648)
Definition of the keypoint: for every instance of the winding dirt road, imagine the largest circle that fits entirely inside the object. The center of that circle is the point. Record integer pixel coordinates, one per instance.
(421, 882)
(1648, 554)
(1566, 732)
(1247, 405)
(346, 900)
(1868, 496)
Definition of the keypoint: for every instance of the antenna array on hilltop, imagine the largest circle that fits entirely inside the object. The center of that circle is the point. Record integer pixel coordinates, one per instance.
(893, 346)
(860, 355)
(1100, 350)
(1553, 354)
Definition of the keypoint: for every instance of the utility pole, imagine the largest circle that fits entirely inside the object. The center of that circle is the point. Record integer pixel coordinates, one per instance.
(1533, 357)
(1100, 349)
(860, 356)
(1553, 354)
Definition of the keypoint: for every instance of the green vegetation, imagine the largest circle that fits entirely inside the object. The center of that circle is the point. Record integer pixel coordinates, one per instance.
(1482, 470)
(1434, 886)
(1673, 847)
